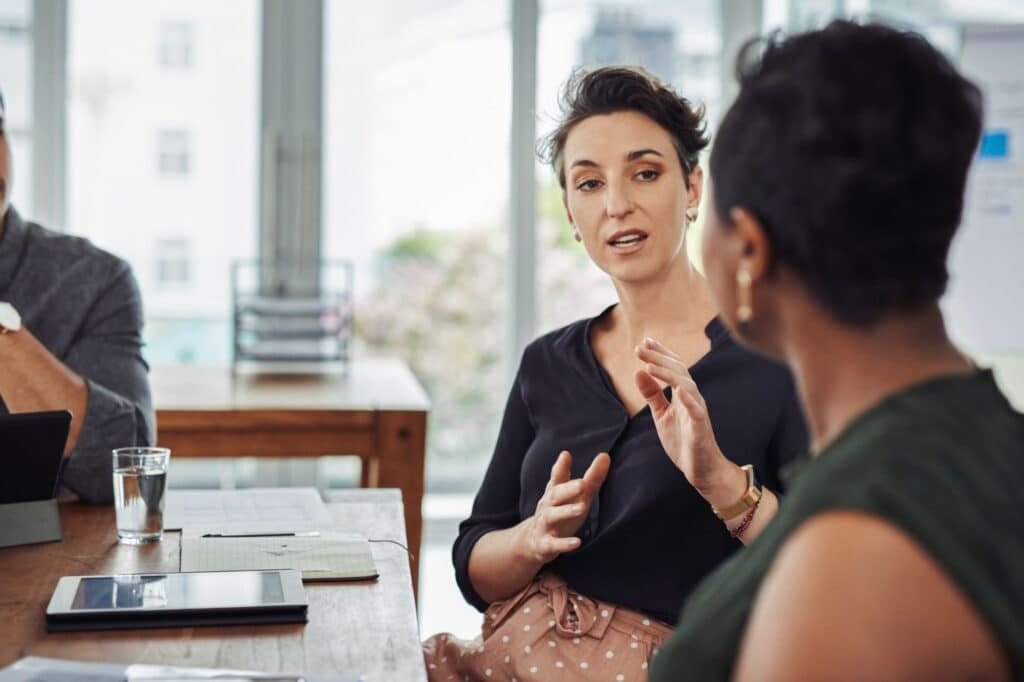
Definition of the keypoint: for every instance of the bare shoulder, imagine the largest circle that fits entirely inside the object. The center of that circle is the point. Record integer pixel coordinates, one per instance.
(851, 596)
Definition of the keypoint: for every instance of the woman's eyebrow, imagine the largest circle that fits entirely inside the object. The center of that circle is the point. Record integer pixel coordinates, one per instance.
(633, 156)
(583, 162)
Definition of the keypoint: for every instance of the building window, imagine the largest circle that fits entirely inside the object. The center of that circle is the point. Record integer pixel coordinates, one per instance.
(172, 265)
(174, 153)
(177, 45)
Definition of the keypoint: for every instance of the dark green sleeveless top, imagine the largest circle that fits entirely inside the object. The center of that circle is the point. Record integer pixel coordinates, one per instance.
(942, 461)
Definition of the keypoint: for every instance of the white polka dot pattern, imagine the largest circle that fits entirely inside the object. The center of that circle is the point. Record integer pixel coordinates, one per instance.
(528, 638)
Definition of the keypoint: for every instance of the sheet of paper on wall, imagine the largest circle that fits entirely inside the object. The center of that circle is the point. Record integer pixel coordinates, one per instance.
(283, 509)
(319, 555)
(982, 303)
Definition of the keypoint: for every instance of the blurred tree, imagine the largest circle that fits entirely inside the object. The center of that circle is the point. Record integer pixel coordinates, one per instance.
(439, 304)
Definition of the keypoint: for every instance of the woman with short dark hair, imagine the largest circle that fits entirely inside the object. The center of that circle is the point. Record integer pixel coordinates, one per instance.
(585, 538)
(899, 552)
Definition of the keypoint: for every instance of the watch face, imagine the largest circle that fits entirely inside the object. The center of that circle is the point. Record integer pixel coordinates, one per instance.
(9, 317)
(754, 480)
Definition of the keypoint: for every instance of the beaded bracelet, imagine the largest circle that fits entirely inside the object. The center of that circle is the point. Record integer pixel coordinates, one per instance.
(738, 530)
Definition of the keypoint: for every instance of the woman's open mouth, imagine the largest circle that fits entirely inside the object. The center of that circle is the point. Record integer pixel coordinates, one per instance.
(627, 241)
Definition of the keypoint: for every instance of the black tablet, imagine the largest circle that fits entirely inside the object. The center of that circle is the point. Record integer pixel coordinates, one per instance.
(99, 602)
(31, 452)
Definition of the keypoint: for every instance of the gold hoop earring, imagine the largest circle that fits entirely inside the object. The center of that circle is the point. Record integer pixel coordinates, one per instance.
(745, 311)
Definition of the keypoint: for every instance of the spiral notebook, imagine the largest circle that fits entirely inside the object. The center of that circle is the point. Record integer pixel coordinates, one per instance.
(318, 555)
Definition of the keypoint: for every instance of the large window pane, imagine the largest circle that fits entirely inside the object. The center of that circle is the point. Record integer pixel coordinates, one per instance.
(416, 194)
(417, 99)
(163, 112)
(680, 42)
(16, 84)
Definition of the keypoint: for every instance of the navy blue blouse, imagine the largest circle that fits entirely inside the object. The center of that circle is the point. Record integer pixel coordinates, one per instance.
(649, 537)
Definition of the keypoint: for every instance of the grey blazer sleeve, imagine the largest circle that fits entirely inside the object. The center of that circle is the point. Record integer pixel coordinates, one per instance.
(107, 353)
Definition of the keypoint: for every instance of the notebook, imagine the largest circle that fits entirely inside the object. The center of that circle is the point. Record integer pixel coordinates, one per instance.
(322, 555)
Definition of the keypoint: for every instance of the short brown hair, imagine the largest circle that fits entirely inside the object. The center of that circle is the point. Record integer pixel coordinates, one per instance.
(610, 89)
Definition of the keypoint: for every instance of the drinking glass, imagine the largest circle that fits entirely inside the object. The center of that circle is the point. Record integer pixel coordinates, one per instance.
(140, 484)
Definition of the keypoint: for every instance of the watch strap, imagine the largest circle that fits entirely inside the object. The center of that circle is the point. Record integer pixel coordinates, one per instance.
(750, 497)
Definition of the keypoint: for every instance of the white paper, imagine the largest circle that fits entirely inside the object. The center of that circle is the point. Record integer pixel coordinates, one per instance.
(54, 670)
(36, 669)
(266, 509)
(161, 673)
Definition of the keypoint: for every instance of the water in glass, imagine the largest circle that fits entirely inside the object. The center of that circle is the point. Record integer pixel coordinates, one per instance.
(140, 482)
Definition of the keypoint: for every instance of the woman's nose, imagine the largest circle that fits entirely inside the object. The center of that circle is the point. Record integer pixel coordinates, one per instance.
(618, 203)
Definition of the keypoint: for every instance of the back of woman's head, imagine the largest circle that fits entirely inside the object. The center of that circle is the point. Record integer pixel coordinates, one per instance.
(851, 145)
(612, 89)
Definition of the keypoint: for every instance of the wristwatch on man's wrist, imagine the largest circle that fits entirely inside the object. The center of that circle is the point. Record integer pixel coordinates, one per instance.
(751, 497)
(10, 320)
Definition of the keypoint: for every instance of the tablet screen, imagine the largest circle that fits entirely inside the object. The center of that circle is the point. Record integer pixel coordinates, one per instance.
(179, 591)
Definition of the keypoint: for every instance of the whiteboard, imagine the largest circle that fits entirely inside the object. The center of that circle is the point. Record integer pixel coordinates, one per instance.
(984, 306)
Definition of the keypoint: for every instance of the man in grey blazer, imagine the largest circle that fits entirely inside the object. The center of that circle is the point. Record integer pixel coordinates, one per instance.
(71, 338)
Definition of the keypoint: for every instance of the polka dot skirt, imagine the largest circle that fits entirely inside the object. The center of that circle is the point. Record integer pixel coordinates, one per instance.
(549, 632)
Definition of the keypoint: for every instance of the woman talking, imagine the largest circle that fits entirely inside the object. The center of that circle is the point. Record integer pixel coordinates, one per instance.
(585, 538)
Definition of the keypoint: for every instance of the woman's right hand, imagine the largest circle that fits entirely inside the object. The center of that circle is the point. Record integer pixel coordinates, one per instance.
(563, 508)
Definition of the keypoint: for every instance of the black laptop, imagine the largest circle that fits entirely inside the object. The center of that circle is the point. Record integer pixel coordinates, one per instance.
(31, 452)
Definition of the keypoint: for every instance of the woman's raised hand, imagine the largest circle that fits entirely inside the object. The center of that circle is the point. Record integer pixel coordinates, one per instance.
(563, 508)
(684, 427)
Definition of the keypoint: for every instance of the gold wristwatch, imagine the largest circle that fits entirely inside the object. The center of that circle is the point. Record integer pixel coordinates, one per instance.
(751, 497)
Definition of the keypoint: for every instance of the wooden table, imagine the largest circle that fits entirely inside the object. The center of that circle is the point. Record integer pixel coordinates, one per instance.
(377, 411)
(364, 628)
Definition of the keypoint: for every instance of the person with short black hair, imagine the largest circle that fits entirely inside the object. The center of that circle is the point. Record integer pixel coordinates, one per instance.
(839, 176)
(71, 339)
(587, 535)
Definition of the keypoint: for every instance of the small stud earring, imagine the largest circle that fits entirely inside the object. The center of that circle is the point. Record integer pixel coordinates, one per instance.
(692, 215)
(576, 235)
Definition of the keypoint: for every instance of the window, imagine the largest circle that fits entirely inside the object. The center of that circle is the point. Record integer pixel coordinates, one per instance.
(16, 83)
(133, 125)
(172, 262)
(416, 175)
(173, 152)
(416, 170)
(177, 42)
